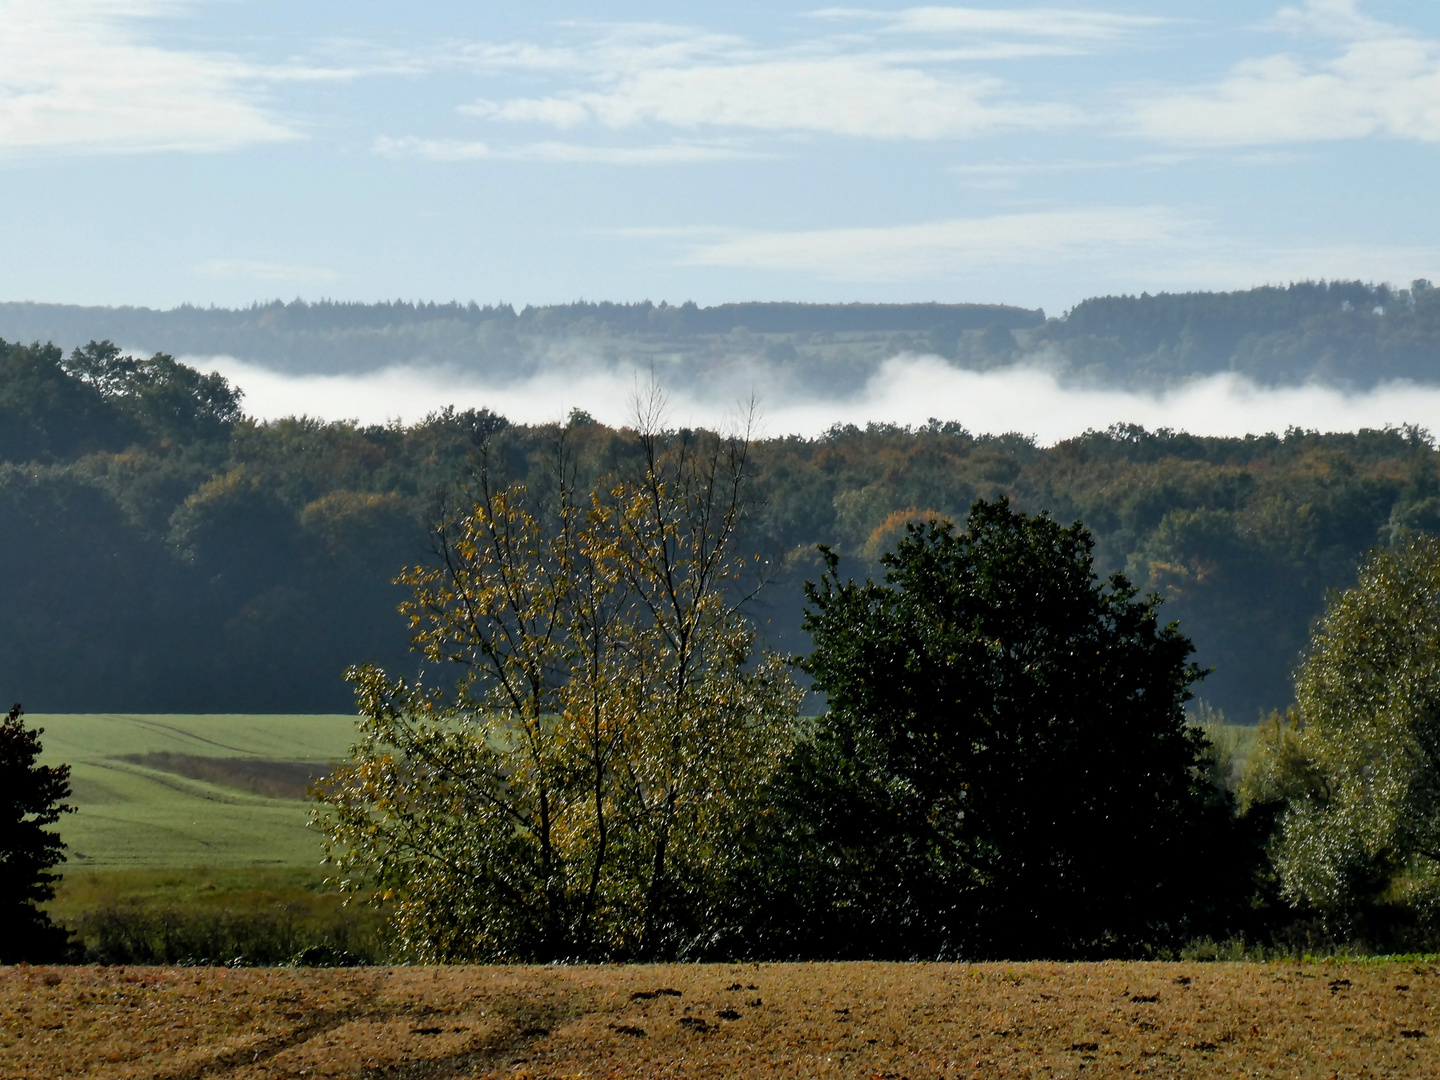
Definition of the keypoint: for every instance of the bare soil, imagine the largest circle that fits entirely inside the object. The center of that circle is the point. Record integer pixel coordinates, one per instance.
(869, 1021)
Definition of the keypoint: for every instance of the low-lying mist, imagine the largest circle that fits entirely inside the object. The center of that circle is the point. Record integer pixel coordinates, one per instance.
(907, 389)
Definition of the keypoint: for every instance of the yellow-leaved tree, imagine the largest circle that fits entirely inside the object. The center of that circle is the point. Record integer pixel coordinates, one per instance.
(589, 788)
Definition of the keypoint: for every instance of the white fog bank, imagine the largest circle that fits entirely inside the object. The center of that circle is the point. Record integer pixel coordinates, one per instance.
(904, 390)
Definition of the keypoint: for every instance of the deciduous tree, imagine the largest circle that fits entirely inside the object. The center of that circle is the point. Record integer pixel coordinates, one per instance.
(1005, 769)
(586, 788)
(1359, 768)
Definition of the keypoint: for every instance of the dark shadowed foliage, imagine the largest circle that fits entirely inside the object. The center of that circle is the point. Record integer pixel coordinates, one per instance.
(184, 561)
(1005, 769)
(32, 796)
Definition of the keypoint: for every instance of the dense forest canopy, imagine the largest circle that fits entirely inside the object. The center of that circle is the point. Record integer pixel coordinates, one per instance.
(1346, 333)
(161, 552)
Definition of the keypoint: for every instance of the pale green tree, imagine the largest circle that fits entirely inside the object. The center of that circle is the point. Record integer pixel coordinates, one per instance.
(1358, 766)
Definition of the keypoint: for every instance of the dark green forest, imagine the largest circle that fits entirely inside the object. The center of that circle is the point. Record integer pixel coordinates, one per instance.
(1341, 333)
(1346, 333)
(162, 552)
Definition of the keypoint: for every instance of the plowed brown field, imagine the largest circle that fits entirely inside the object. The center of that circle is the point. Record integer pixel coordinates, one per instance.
(869, 1021)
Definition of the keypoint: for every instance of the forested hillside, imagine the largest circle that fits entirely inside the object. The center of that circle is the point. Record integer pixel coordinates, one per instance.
(1348, 333)
(819, 349)
(162, 553)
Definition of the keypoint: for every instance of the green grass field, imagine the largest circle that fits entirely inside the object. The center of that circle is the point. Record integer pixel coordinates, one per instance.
(136, 809)
(172, 791)
(190, 836)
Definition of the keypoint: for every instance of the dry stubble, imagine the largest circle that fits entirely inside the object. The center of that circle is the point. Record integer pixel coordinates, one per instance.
(870, 1021)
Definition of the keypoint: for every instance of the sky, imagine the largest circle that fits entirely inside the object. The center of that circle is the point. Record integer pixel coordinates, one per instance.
(158, 152)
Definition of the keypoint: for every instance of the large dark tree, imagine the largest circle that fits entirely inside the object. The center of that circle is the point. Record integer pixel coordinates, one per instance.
(1005, 769)
(32, 796)
(44, 413)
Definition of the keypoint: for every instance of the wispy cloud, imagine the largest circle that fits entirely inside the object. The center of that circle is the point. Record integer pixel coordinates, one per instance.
(1112, 249)
(1080, 27)
(853, 96)
(1029, 168)
(1330, 18)
(960, 245)
(856, 85)
(455, 150)
(1383, 81)
(1003, 176)
(76, 77)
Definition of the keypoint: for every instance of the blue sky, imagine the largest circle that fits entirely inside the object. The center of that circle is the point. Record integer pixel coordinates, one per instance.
(222, 151)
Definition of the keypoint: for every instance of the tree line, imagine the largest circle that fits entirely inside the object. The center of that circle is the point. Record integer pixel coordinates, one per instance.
(164, 553)
(1005, 767)
(1346, 333)
(1004, 761)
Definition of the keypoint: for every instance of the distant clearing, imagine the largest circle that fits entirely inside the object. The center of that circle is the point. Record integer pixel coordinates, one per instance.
(259, 776)
(886, 1021)
(159, 791)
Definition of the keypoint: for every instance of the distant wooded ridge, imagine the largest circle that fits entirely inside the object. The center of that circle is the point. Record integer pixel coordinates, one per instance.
(278, 317)
(1346, 333)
